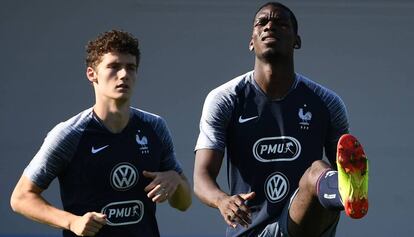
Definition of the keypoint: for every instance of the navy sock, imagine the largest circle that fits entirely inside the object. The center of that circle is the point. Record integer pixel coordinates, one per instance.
(327, 190)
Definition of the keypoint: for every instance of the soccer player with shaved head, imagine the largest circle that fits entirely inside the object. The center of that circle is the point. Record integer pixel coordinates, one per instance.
(275, 126)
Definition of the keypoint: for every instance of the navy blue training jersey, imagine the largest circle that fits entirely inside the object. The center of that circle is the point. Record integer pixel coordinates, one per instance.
(102, 172)
(270, 143)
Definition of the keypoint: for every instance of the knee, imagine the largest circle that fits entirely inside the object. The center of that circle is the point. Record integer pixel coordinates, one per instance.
(310, 178)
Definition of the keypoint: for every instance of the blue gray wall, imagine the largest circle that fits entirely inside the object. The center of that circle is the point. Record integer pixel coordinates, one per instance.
(361, 49)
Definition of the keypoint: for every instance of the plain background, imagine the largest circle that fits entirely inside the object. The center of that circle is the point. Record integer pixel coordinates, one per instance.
(360, 49)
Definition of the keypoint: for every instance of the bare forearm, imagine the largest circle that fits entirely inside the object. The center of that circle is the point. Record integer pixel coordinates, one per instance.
(33, 206)
(206, 169)
(207, 190)
(27, 200)
(181, 199)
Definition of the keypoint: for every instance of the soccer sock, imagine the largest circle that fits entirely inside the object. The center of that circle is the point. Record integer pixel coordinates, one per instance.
(327, 190)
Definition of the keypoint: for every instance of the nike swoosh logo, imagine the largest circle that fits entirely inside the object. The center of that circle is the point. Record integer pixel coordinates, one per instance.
(243, 120)
(96, 150)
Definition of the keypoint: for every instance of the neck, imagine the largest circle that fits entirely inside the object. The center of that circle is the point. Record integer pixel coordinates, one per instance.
(113, 114)
(275, 79)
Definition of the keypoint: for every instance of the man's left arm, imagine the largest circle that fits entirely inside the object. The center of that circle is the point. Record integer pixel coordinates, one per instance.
(169, 182)
(181, 199)
(169, 185)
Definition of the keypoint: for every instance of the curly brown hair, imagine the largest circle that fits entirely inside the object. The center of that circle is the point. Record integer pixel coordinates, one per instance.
(111, 41)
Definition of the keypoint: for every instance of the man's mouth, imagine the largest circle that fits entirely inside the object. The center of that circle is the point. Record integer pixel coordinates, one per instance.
(122, 86)
(270, 38)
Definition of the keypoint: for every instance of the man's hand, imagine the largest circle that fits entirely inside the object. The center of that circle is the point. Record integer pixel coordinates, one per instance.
(163, 185)
(88, 224)
(234, 210)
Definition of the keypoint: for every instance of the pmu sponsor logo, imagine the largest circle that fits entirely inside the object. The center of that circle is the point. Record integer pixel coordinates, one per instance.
(124, 213)
(271, 149)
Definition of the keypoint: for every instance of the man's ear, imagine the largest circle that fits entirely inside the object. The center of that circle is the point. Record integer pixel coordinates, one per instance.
(91, 75)
(298, 42)
(251, 48)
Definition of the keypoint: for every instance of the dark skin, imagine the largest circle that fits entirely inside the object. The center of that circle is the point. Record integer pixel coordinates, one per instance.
(273, 42)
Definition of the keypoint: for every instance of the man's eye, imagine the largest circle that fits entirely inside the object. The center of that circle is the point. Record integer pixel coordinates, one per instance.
(131, 68)
(284, 25)
(261, 22)
(113, 66)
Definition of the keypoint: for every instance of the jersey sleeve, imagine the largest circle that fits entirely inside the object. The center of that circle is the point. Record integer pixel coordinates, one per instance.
(338, 126)
(53, 156)
(217, 111)
(169, 160)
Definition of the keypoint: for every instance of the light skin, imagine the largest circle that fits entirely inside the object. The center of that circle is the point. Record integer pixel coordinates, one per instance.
(113, 80)
(273, 41)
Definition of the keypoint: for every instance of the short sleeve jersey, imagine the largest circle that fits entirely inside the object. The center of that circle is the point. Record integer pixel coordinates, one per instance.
(101, 171)
(270, 143)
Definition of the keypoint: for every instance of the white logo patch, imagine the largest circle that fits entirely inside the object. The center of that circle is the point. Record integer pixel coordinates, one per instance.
(124, 176)
(123, 213)
(305, 118)
(96, 150)
(269, 149)
(276, 187)
(143, 142)
(330, 173)
(329, 196)
(244, 120)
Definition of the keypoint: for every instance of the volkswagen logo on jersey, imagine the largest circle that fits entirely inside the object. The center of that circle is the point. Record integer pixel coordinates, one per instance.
(271, 149)
(276, 187)
(123, 213)
(124, 176)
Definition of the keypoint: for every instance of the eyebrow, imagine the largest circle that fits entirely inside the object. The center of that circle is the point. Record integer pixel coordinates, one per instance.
(126, 64)
(277, 16)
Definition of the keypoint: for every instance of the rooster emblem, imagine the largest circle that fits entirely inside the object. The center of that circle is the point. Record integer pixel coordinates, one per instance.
(305, 117)
(143, 142)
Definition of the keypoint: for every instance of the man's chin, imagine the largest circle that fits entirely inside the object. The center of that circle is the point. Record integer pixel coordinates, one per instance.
(122, 98)
(270, 54)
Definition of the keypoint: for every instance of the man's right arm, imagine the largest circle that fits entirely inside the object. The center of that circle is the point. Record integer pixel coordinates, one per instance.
(27, 200)
(232, 208)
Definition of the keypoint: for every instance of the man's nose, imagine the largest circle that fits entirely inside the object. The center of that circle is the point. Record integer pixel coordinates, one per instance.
(122, 73)
(269, 26)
